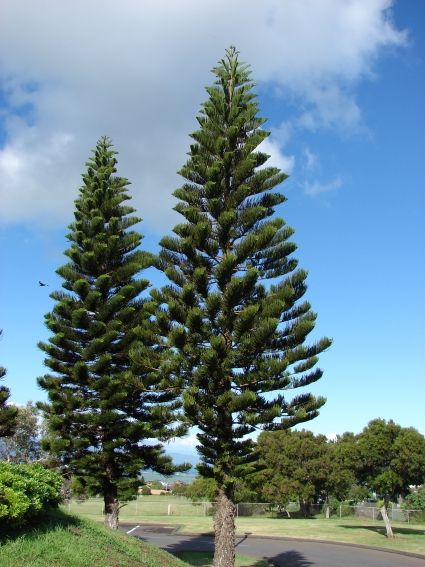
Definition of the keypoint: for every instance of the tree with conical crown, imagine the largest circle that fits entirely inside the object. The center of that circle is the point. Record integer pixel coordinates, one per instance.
(233, 308)
(105, 389)
(8, 413)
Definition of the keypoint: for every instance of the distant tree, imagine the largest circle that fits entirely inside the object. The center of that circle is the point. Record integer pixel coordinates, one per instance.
(300, 466)
(391, 459)
(24, 445)
(7, 412)
(415, 500)
(234, 310)
(107, 393)
(145, 490)
(206, 489)
(179, 488)
(202, 489)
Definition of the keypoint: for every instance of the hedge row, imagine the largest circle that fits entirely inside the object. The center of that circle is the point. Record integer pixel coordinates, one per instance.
(25, 491)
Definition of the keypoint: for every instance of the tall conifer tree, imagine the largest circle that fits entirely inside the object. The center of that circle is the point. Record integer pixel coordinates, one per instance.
(233, 309)
(106, 395)
(7, 413)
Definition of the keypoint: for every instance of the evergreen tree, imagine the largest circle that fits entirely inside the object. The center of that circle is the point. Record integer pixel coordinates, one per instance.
(233, 309)
(300, 466)
(7, 412)
(390, 459)
(106, 394)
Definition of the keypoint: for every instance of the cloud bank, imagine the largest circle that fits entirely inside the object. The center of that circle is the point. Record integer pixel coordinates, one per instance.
(74, 70)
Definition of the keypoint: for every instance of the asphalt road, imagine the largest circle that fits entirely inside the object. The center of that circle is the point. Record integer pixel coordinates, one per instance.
(282, 552)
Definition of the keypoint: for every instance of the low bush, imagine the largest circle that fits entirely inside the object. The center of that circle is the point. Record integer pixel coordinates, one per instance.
(25, 491)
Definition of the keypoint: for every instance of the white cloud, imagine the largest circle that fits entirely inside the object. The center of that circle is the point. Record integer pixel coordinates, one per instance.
(277, 157)
(136, 70)
(180, 443)
(314, 188)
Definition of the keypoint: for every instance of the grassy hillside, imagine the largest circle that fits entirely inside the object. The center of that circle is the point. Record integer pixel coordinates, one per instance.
(68, 541)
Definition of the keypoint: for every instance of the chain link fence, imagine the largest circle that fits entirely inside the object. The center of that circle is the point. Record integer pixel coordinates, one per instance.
(145, 507)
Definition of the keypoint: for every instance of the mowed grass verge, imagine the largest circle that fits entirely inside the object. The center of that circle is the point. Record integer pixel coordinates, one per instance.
(205, 559)
(62, 540)
(409, 537)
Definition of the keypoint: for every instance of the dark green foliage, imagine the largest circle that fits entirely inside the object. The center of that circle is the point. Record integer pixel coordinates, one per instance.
(234, 303)
(235, 310)
(106, 393)
(298, 466)
(26, 491)
(202, 489)
(415, 500)
(390, 458)
(7, 412)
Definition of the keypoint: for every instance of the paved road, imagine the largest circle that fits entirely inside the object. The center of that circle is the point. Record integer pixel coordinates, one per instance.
(283, 553)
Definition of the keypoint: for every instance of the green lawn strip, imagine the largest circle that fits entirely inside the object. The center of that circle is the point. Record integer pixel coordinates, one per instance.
(69, 541)
(204, 559)
(409, 537)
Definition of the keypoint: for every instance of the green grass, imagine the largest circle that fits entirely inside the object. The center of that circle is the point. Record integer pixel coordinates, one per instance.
(143, 506)
(69, 541)
(204, 559)
(409, 537)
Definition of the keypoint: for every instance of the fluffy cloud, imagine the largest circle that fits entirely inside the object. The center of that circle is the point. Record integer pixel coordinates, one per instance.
(74, 70)
(277, 157)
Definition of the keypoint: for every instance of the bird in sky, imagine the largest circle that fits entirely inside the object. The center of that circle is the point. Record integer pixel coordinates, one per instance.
(42, 284)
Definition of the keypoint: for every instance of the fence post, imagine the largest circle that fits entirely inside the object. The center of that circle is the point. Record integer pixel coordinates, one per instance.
(373, 513)
(169, 510)
(237, 510)
(340, 511)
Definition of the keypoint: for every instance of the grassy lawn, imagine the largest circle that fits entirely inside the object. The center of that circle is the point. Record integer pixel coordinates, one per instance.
(409, 537)
(69, 541)
(204, 559)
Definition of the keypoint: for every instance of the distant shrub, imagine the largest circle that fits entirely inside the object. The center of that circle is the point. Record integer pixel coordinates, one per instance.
(415, 500)
(179, 489)
(25, 491)
(145, 490)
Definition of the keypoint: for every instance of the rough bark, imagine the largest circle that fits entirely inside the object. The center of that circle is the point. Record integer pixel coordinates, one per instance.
(224, 528)
(112, 506)
(386, 519)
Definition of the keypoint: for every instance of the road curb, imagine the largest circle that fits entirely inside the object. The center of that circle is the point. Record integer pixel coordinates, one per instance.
(289, 538)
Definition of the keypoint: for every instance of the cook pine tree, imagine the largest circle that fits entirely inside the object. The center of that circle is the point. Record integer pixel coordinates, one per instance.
(106, 394)
(234, 307)
(8, 412)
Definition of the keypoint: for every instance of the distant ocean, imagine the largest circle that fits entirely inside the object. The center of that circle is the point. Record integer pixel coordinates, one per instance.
(186, 477)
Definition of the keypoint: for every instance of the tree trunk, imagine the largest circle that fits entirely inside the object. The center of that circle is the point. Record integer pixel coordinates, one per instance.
(305, 508)
(224, 528)
(112, 506)
(386, 519)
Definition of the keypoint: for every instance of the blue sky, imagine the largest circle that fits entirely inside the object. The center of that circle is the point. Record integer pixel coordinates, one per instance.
(342, 83)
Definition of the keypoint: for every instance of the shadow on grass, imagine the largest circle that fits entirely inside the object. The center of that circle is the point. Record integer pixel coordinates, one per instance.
(381, 529)
(43, 523)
